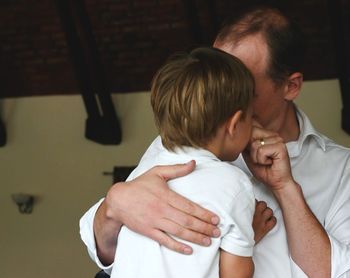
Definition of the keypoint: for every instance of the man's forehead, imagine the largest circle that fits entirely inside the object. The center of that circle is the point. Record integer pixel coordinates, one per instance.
(252, 51)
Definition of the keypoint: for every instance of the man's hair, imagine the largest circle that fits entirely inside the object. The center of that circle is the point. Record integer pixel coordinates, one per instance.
(284, 38)
(193, 94)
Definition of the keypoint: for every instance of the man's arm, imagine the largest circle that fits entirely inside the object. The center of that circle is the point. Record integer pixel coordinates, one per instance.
(106, 231)
(147, 206)
(308, 242)
(337, 225)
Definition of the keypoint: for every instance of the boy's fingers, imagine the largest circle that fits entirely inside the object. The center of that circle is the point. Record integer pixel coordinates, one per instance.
(267, 213)
(260, 205)
(271, 223)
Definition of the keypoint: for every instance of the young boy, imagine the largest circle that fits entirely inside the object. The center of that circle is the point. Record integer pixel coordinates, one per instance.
(202, 108)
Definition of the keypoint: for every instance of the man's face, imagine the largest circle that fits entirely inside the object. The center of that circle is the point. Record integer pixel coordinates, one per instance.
(269, 104)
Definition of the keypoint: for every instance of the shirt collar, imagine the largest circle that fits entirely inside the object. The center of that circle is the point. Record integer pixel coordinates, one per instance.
(195, 153)
(307, 132)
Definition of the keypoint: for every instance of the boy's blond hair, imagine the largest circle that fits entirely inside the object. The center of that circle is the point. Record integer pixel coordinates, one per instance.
(193, 94)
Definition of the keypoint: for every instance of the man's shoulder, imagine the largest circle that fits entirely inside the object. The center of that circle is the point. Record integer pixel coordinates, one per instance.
(321, 140)
(331, 146)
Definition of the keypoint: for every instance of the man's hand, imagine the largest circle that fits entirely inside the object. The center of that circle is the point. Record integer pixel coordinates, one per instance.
(268, 159)
(308, 242)
(147, 206)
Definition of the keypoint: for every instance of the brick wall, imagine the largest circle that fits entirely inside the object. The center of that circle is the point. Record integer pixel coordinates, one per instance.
(133, 37)
(33, 50)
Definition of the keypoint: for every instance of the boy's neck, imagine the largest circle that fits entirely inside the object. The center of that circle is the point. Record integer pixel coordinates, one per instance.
(218, 145)
(214, 150)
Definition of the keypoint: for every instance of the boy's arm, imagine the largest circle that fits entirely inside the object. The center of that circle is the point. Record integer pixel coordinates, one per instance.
(232, 266)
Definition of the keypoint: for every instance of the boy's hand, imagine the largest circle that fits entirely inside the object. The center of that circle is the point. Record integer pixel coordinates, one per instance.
(263, 220)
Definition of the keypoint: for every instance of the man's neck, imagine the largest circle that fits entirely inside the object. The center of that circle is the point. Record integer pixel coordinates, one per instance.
(289, 128)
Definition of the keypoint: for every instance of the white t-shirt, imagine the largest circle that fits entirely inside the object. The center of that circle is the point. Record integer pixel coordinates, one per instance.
(322, 168)
(215, 185)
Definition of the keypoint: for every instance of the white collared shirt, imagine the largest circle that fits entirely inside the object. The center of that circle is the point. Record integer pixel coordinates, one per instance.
(322, 168)
(218, 186)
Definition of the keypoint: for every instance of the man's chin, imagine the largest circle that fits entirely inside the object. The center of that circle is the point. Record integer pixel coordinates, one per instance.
(256, 121)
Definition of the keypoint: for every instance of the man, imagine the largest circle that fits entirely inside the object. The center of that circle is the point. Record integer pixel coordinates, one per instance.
(306, 181)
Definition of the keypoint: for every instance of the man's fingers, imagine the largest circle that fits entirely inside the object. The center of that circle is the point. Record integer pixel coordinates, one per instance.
(259, 132)
(174, 171)
(169, 242)
(183, 233)
(188, 207)
(262, 150)
(192, 223)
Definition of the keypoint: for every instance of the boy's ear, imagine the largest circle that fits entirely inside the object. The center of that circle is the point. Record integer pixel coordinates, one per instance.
(233, 121)
(293, 86)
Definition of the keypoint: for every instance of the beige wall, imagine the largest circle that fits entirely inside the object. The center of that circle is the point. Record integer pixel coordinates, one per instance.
(48, 156)
(321, 100)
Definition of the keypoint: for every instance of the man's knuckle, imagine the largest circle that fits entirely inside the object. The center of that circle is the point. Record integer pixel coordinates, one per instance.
(177, 248)
(178, 231)
(188, 222)
(154, 169)
(155, 236)
(260, 151)
(169, 244)
(190, 207)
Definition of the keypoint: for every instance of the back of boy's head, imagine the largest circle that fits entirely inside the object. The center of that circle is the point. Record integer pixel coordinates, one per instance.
(193, 94)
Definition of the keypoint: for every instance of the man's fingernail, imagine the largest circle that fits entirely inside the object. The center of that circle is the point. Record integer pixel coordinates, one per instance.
(215, 220)
(216, 232)
(206, 241)
(187, 251)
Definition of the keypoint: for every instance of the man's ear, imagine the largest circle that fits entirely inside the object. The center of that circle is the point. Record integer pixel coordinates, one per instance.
(293, 86)
(232, 122)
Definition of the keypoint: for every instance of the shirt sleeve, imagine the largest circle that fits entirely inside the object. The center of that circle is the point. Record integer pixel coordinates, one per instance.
(239, 238)
(87, 236)
(340, 259)
(337, 225)
(87, 220)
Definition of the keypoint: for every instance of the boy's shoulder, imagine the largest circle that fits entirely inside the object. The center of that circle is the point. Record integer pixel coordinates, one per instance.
(223, 170)
(216, 182)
